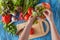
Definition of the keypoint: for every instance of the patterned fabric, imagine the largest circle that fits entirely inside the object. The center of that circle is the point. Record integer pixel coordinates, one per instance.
(55, 6)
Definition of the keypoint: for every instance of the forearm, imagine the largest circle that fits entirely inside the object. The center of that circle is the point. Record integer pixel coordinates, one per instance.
(54, 33)
(26, 31)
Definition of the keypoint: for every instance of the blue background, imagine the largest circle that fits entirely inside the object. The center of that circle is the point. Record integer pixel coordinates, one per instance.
(55, 6)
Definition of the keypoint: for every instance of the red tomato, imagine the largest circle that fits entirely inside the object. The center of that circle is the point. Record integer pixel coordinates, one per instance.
(30, 10)
(6, 19)
(26, 17)
(21, 16)
(47, 5)
(32, 31)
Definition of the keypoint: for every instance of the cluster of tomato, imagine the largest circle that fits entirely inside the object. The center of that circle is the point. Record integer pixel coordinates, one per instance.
(6, 18)
(29, 12)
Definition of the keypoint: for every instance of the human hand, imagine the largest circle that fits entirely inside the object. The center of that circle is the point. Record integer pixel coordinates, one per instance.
(31, 19)
(49, 15)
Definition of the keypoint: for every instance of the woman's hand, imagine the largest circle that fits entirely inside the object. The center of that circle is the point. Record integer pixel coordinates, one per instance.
(49, 16)
(26, 31)
(54, 33)
(31, 19)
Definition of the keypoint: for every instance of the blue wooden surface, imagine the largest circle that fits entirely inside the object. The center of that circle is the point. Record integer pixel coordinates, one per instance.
(55, 6)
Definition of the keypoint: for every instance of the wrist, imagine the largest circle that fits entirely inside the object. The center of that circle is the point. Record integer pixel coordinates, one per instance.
(31, 20)
(51, 21)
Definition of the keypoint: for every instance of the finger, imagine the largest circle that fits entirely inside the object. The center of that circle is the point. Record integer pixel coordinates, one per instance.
(48, 11)
(38, 18)
(30, 17)
(45, 14)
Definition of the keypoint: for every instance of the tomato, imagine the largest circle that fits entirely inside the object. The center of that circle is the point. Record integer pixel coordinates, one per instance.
(26, 17)
(21, 16)
(6, 19)
(30, 11)
(46, 5)
(32, 31)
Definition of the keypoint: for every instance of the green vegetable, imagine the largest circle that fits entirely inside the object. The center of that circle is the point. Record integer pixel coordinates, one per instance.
(11, 28)
(11, 4)
(35, 21)
(40, 10)
(34, 13)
